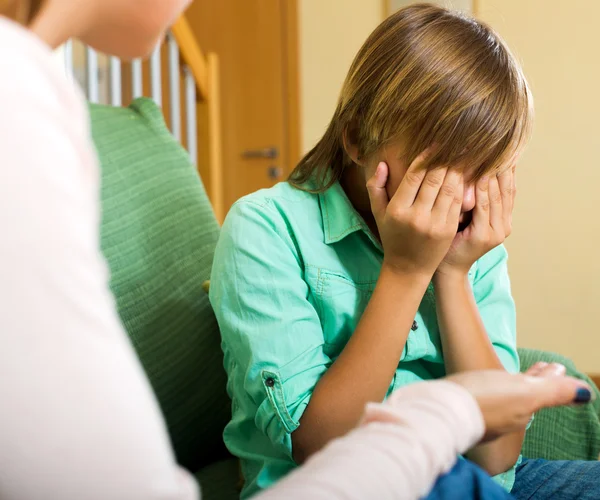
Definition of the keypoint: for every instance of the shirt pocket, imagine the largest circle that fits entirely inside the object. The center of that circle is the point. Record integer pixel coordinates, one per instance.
(341, 302)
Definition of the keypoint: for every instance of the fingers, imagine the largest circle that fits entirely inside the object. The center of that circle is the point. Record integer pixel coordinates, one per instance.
(506, 183)
(552, 370)
(492, 215)
(514, 185)
(488, 223)
(549, 392)
(536, 369)
(550, 386)
(456, 207)
(543, 369)
(496, 215)
(431, 186)
(377, 192)
(505, 180)
(449, 195)
(481, 212)
(514, 192)
(410, 186)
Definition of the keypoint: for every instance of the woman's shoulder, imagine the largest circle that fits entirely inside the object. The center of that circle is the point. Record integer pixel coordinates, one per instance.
(24, 54)
(45, 141)
(32, 75)
(13, 32)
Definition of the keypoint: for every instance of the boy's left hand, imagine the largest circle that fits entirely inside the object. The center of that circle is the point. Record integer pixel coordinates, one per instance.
(490, 226)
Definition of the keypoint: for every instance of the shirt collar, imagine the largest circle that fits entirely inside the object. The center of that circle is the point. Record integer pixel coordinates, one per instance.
(339, 217)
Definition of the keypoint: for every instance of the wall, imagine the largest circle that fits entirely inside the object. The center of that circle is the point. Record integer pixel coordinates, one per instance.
(463, 5)
(331, 32)
(555, 264)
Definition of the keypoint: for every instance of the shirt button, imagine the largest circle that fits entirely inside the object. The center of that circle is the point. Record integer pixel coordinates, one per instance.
(414, 326)
(270, 382)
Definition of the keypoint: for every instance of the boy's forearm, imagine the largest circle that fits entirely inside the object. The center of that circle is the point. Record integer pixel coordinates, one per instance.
(500, 455)
(465, 342)
(466, 346)
(363, 371)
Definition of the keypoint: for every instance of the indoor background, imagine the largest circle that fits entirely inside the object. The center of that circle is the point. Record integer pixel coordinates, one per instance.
(281, 66)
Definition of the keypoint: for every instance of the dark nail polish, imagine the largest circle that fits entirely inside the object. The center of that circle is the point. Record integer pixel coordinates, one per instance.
(583, 396)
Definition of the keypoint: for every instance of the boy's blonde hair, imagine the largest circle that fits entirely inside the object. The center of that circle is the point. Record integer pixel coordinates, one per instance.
(22, 11)
(427, 76)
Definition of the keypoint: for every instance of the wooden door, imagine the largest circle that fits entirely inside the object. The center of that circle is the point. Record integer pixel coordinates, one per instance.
(256, 42)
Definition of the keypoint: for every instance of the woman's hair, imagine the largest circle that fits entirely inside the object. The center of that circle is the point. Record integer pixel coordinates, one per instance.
(429, 77)
(22, 11)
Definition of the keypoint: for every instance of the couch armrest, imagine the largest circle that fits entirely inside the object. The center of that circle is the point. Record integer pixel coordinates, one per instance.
(568, 433)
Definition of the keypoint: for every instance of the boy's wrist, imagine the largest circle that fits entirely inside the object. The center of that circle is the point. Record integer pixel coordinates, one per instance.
(415, 278)
(450, 278)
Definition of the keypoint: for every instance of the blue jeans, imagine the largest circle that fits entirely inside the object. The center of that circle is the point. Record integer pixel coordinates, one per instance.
(466, 481)
(535, 480)
(561, 479)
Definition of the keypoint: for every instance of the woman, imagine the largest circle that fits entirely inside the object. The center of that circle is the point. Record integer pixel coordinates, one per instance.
(79, 420)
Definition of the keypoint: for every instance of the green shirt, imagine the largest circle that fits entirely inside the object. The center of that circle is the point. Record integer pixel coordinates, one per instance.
(292, 275)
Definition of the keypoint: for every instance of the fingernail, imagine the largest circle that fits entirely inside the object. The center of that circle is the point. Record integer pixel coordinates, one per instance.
(583, 396)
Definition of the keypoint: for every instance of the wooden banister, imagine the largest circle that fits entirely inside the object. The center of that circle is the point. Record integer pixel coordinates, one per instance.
(205, 70)
(192, 55)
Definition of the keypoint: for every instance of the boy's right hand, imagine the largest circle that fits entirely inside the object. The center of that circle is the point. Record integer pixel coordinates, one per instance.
(418, 224)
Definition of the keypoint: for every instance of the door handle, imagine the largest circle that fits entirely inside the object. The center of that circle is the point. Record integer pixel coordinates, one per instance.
(274, 173)
(269, 153)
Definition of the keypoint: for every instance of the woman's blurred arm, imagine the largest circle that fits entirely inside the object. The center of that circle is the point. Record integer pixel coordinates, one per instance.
(79, 419)
(400, 449)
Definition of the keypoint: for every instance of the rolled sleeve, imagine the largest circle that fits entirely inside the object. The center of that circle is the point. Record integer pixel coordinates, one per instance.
(496, 306)
(271, 333)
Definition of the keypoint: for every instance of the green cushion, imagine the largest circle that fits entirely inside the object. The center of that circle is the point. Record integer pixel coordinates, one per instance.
(158, 235)
(569, 433)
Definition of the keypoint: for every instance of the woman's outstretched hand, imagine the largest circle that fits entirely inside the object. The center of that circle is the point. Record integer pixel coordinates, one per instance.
(508, 401)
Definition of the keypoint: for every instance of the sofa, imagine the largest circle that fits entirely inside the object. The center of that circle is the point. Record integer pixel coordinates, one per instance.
(158, 234)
